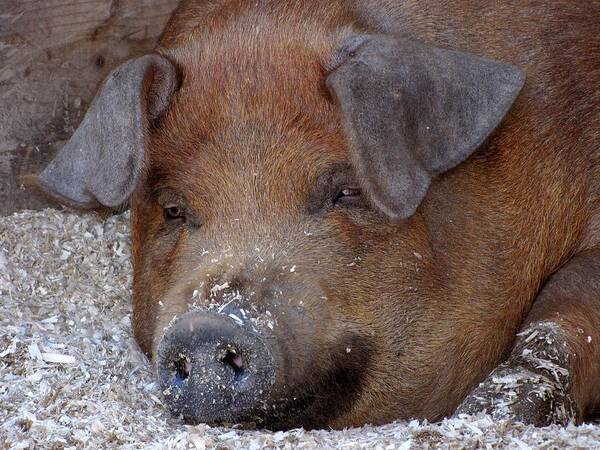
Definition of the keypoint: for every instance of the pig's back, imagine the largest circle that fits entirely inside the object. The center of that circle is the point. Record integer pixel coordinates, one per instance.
(556, 43)
(527, 200)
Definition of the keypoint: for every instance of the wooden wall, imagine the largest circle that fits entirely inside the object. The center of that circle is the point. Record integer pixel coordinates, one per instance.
(53, 54)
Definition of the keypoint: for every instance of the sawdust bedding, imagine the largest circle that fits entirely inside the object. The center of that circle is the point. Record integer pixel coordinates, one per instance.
(72, 377)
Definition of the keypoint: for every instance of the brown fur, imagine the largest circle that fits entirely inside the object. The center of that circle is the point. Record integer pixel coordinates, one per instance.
(430, 305)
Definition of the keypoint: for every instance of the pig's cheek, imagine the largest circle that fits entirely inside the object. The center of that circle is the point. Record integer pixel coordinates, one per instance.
(166, 312)
(147, 311)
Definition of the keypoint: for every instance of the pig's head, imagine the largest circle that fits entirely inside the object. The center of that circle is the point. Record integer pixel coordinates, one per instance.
(282, 269)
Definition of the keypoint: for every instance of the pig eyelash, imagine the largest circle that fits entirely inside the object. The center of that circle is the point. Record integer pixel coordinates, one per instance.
(335, 187)
(173, 212)
(175, 209)
(347, 196)
(347, 193)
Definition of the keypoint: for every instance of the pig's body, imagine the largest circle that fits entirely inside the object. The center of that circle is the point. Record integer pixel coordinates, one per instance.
(399, 318)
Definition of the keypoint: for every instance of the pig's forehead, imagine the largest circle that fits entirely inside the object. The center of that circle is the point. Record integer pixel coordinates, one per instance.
(251, 106)
(253, 151)
(274, 126)
(229, 151)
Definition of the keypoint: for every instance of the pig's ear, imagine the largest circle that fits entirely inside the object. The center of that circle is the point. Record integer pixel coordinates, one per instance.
(104, 159)
(412, 111)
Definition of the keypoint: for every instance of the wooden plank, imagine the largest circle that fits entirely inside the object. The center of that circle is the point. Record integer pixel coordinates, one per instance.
(53, 55)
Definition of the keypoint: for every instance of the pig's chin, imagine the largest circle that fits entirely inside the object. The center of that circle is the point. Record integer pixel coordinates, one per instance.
(321, 403)
(316, 409)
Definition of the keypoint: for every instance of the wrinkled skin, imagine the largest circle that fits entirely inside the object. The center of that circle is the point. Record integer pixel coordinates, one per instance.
(249, 196)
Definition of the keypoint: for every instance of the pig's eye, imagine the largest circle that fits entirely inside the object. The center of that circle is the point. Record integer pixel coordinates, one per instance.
(347, 196)
(335, 188)
(173, 212)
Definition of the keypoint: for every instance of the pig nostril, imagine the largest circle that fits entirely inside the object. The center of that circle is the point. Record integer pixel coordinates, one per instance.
(217, 372)
(183, 367)
(233, 360)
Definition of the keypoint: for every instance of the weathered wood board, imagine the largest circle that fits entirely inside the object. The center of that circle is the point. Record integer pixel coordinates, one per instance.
(53, 54)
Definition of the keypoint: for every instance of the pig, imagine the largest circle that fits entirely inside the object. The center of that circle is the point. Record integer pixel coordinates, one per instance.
(353, 212)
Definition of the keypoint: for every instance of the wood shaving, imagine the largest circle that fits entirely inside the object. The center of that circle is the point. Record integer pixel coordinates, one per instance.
(71, 375)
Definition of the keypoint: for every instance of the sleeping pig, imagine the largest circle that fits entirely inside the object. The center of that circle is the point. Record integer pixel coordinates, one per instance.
(357, 211)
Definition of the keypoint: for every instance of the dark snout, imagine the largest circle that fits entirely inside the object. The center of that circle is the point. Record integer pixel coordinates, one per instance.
(211, 369)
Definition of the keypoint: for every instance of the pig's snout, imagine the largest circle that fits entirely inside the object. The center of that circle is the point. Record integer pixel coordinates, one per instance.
(211, 369)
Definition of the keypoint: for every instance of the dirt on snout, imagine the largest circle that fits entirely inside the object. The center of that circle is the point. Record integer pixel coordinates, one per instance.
(71, 375)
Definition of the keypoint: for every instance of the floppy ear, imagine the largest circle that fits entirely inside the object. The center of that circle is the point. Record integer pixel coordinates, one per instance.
(412, 111)
(102, 162)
